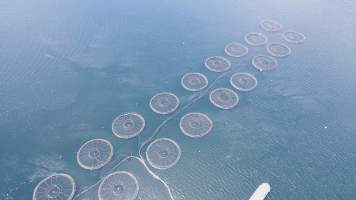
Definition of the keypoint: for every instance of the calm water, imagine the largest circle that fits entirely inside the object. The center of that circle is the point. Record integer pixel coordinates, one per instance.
(67, 68)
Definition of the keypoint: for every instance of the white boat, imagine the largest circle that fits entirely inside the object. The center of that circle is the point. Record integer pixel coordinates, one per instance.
(261, 192)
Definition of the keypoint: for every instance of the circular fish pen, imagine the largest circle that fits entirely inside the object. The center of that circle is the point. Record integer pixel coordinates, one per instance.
(279, 50)
(55, 186)
(163, 153)
(236, 50)
(224, 98)
(256, 39)
(164, 103)
(195, 125)
(217, 64)
(243, 81)
(94, 154)
(121, 185)
(264, 63)
(194, 81)
(294, 37)
(271, 25)
(128, 125)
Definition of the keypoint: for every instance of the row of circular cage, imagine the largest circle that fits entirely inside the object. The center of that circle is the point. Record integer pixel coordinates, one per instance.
(164, 153)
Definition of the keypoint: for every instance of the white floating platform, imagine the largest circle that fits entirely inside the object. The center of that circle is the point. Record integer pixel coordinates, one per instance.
(261, 192)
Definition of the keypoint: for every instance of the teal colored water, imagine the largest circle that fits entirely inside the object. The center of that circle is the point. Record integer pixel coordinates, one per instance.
(68, 68)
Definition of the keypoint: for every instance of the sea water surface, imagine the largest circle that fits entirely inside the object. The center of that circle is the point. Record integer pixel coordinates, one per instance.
(68, 68)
